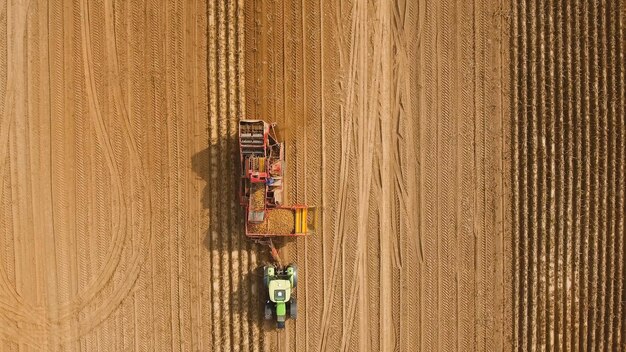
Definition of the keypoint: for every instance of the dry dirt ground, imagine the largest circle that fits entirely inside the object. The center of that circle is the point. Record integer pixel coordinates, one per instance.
(393, 116)
(118, 223)
(119, 226)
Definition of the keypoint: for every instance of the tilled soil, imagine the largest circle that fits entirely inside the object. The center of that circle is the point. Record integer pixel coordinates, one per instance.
(110, 170)
(393, 116)
(568, 175)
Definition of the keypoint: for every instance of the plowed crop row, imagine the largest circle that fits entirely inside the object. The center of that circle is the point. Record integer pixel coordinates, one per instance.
(568, 175)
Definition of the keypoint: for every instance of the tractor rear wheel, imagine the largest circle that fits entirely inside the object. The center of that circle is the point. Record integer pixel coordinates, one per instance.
(268, 311)
(293, 309)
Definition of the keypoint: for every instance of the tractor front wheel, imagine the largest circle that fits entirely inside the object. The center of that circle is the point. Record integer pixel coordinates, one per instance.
(268, 271)
(292, 270)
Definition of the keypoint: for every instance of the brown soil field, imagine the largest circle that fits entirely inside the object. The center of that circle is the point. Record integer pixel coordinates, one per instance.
(466, 159)
(392, 113)
(568, 175)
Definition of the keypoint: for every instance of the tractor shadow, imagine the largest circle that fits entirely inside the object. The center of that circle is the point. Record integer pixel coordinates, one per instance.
(224, 235)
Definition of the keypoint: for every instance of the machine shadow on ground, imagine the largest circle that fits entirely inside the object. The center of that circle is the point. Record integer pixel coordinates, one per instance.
(225, 239)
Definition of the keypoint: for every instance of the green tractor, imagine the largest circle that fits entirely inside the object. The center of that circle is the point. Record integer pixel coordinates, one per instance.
(280, 283)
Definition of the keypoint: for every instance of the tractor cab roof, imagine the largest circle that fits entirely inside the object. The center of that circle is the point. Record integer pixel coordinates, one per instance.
(279, 290)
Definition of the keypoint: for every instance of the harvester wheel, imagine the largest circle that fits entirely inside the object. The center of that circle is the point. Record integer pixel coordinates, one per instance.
(268, 311)
(293, 308)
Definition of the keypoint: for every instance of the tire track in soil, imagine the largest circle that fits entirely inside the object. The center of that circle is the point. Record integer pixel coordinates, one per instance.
(174, 28)
(55, 278)
(140, 101)
(405, 81)
(98, 213)
(405, 167)
(14, 19)
(292, 78)
(465, 81)
(313, 187)
(332, 56)
(337, 46)
(116, 30)
(160, 269)
(446, 170)
(380, 133)
(357, 122)
(96, 19)
(429, 196)
(200, 262)
(107, 169)
(352, 114)
(112, 261)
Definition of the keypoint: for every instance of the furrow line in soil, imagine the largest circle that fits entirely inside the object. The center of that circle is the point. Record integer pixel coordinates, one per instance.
(524, 233)
(226, 220)
(447, 171)
(409, 77)
(428, 180)
(527, 183)
(313, 287)
(569, 230)
(62, 148)
(574, 52)
(620, 47)
(561, 171)
(606, 192)
(469, 122)
(214, 183)
(237, 312)
(550, 193)
(609, 90)
(516, 184)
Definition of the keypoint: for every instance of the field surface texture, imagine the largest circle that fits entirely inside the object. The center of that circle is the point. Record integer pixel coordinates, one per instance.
(466, 159)
(568, 175)
(393, 116)
(119, 227)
